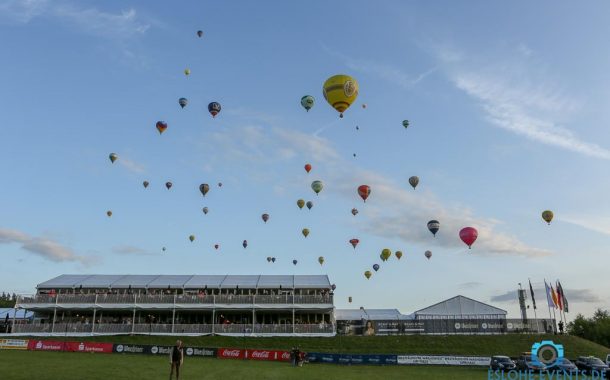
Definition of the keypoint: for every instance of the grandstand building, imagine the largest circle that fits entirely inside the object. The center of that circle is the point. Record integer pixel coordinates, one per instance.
(181, 304)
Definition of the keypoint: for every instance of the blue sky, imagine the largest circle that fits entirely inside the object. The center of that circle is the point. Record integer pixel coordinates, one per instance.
(507, 104)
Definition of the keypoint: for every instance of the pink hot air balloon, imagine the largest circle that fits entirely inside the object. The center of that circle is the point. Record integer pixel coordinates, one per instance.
(354, 242)
(469, 235)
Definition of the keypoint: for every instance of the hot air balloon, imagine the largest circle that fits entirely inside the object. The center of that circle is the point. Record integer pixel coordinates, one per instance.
(163, 249)
(354, 242)
(386, 254)
(192, 238)
(265, 217)
(309, 204)
(187, 72)
(413, 181)
(300, 203)
(294, 262)
(333, 287)
(405, 123)
(109, 213)
(219, 184)
(168, 185)
(183, 102)
(200, 33)
(357, 128)
(161, 126)
(363, 105)
(205, 210)
(305, 232)
(204, 188)
(349, 299)
(354, 212)
(364, 191)
(145, 183)
(368, 274)
(317, 186)
(428, 254)
(469, 235)
(113, 157)
(245, 244)
(307, 168)
(354, 154)
(273, 259)
(376, 267)
(307, 102)
(340, 91)
(398, 254)
(214, 108)
(268, 259)
(321, 260)
(547, 215)
(434, 226)
(216, 246)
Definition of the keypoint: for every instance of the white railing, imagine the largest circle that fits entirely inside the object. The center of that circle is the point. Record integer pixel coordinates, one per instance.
(314, 329)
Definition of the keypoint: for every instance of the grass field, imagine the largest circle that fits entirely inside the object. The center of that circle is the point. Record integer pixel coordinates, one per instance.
(23, 365)
(511, 345)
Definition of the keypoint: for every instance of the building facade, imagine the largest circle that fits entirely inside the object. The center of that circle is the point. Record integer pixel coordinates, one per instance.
(181, 304)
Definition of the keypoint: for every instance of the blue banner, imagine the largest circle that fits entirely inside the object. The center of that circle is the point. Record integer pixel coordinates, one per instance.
(347, 359)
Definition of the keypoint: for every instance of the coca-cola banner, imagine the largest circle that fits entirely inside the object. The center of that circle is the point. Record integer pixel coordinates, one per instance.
(231, 353)
(46, 345)
(283, 356)
(105, 348)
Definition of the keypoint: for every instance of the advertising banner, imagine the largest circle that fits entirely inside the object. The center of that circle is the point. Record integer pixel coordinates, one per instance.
(283, 356)
(444, 360)
(161, 350)
(231, 353)
(13, 344)
(45, 345)
(105, 348)
(200, 351)
(318, 357)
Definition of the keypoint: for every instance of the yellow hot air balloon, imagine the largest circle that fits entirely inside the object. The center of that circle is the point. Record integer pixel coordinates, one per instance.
(192, 238)
(368, 274)
(305, 232)
(547, 215)
(300, 203)
(386, 254)
(187, 72)
(109, 213)
(321, 260)
(340, 91)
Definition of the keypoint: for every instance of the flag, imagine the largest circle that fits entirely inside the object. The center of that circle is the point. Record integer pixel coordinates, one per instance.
(549, 298)
(532, 293)
(559, 296)
(564, 300)
(554, 296)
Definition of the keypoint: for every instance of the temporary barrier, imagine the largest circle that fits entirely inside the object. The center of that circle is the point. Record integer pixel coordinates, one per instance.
(54, 345)
(318, 357)
(46, 345)
(231, 353)
(444, 360)
(13, 344)
(283, 356)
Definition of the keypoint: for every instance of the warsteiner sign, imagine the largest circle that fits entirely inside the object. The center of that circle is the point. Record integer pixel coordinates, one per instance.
(444, 360)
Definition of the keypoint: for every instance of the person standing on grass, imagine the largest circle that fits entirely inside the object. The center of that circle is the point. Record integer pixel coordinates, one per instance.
(176, 357)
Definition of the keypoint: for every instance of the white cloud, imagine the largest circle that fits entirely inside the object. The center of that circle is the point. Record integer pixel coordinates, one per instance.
(383, 71)
(572, 295)
(131, 165)
(44, 247)
(394, 211)
(599, 224)
(130, 250)
(121, 25)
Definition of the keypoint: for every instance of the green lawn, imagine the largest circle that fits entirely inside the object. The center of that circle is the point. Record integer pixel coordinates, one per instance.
(24, 365)
(511, 345)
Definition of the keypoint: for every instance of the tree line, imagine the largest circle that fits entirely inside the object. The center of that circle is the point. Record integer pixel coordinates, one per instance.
(595, 328)
(7, 299)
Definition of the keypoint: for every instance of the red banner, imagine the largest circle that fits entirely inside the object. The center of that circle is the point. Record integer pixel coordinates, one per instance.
(54, 345)
(231, 353)
(46, 345)
(283, 356)
(105, 348)
(236, 353)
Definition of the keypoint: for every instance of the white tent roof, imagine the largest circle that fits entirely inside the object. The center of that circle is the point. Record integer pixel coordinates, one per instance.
(69, 281)
(460, 305)
(370, 314)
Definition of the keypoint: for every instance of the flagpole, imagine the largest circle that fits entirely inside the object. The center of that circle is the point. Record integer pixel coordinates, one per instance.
(555, 321)
(546, 290)
(534, 304)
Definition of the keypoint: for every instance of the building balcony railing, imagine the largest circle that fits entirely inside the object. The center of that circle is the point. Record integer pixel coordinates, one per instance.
(168, 328)
(183, 299)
